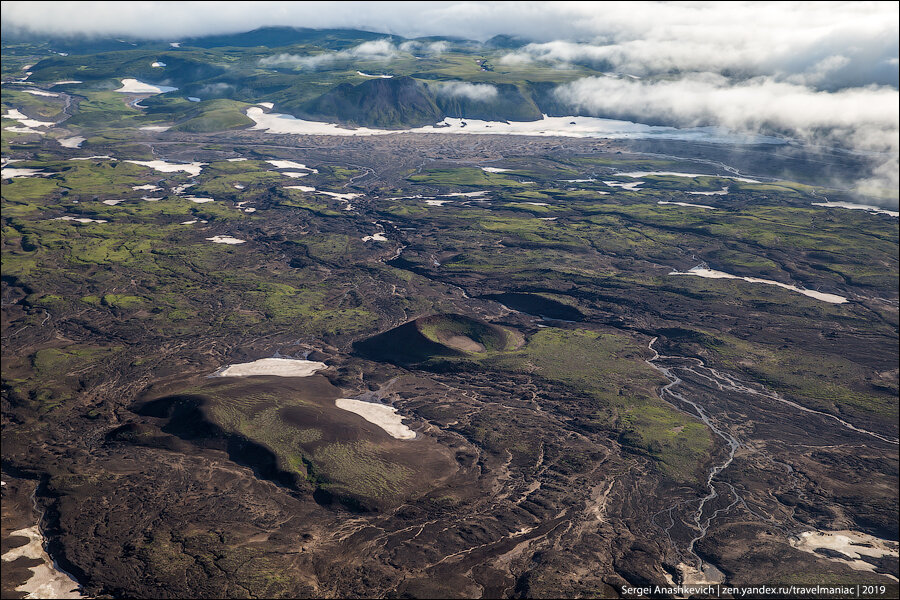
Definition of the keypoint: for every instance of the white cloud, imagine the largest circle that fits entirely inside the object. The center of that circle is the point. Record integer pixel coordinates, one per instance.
(864, 119)
(820, 70)
(560, 51)
(748, 24)
(840, 43)
(215, 89)
(425, 48)
(711, 99)
(376, 50)
(849, 60)
(472, 91)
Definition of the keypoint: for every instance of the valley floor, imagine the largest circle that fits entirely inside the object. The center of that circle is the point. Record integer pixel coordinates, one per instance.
(558, 412)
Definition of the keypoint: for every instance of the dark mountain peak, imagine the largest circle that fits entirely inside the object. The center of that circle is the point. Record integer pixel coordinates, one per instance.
(273, 37)
(506, 41)
(395, 102)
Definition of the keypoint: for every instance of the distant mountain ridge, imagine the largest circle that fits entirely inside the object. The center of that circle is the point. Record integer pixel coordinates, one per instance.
(314, 74)
(402, 102)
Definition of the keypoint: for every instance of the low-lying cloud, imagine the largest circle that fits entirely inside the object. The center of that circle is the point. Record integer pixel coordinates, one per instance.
(472, 91)
(828, 66)
(862, 119)
(425, 48)
(821, 71)
(752, 105)
(376, 50)
(215, 89)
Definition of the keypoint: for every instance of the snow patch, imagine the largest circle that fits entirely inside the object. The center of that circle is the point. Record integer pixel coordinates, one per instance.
(345, 197)
(167, 167)
(721, 192)
(80, 219)
(278, 367)
(13, 113)
(571, 126)
(851, 544)
(637, 174)
(852, 206)
(14, 173)
(225, 239)
(15, 129)
(41, 93)
(71, 142)
(467, 194)
(289, 164)
(46, 581)
(134, 86)
(688, 204)
(702, 271)
(381, 415)
(630, 186)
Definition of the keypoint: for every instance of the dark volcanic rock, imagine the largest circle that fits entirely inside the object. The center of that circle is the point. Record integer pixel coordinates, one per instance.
(398, 102)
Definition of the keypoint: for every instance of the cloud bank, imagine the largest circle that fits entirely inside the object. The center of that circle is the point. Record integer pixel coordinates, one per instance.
(862, 119)
(867, 115)
(828, 59)
(825, 72)
(376, 50)
(425, 48)
(470, 91)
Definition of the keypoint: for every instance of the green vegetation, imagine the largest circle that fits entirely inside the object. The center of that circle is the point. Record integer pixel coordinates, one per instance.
(829, 383)
(300, 425)
(468, 335)
(106, 109)
(214, 115)
(229, 78)
(41, 108)
(544, 406)
(465, 177)
(121, 301)
(610, 368)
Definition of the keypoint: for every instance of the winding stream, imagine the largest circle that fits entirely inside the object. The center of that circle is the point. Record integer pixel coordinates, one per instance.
(693, 566)
(668, 395)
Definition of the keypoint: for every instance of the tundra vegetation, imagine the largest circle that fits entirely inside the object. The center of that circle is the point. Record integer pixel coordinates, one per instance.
(526, 327)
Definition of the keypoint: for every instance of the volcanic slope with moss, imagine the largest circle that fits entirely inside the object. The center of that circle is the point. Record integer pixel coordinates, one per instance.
(508, 315)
